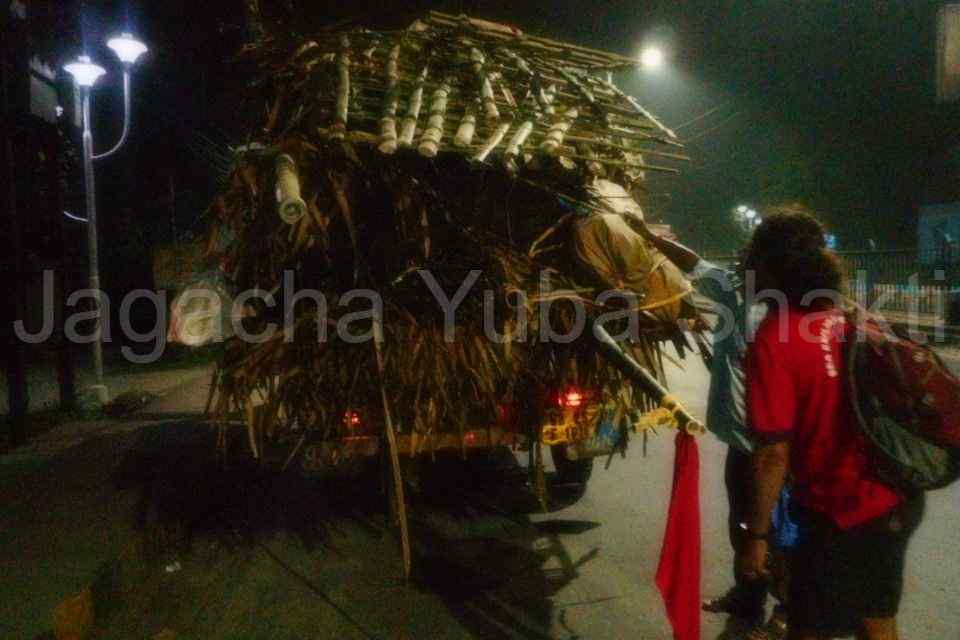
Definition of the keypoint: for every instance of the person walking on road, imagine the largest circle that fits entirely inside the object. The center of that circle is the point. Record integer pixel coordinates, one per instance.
(847, 568)
(726, 409)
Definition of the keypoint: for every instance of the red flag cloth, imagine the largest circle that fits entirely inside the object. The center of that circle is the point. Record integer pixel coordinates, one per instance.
(678, 576)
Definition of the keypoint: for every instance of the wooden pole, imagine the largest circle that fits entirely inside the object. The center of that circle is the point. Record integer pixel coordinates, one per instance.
(430, 141)
(468, 125)
(409, 126)
(388, 118)
(519, 137)
(647, 383)
(290, 206)
(495, 138)
(554, 138)
(394, 454)
(486, 88)
(339, 127)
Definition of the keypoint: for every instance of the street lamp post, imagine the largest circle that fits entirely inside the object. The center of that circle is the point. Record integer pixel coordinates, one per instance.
(85, 74)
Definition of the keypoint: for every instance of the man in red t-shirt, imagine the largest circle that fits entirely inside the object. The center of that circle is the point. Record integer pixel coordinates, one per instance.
(847, 570)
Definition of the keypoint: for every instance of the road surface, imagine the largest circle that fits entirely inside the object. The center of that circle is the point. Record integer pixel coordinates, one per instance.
(287, 561)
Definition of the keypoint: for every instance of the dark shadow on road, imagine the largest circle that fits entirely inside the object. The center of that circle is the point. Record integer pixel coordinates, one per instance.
(495, 569)
(476, 547)
(187, 488)
(215, 511)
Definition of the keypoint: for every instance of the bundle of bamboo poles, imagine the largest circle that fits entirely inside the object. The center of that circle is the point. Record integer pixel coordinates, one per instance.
(457, 148)
(458, 84)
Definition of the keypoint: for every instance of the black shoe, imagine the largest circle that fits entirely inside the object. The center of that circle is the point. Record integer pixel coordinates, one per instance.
(732, 603)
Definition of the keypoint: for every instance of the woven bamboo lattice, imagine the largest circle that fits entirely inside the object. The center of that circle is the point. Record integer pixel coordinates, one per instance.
(453, 147)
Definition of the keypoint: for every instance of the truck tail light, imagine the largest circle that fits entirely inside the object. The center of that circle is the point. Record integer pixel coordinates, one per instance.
(352, 419)
(572, 398)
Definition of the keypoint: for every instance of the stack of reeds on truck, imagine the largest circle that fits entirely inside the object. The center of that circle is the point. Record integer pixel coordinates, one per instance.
(461, 159)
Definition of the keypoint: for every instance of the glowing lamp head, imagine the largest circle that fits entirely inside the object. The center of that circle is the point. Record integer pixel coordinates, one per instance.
(84, 72)
(742, 210)
(127, 48)
(651, 58)
(751, 214)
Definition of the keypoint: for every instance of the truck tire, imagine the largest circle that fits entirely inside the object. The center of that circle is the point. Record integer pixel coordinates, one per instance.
(570, 471)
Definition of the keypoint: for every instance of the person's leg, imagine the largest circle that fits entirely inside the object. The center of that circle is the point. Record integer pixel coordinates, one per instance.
(776, 627)
(780, 576)
(752, 594)
(747, 597)
(884, 553)
(735, 472)
(871, 575)
(815, 607)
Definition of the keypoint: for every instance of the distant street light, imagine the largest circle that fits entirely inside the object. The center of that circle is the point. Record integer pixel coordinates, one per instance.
(747, 217)
(85, 75)
(651, 58)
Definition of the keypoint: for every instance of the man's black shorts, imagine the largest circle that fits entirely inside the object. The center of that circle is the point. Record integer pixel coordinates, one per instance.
(839, 577)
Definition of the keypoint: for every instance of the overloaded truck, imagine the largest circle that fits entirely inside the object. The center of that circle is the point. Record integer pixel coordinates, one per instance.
(429, 243)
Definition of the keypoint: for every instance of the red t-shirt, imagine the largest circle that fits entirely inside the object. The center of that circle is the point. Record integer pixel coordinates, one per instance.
(796, 391)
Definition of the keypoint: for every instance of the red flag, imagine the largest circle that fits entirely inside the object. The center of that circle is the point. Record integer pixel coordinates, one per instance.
(678, 576)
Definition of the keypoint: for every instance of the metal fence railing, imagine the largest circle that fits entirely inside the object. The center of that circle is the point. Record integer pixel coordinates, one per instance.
(900, 281)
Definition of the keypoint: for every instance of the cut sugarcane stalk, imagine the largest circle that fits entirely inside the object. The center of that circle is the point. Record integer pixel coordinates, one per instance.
(430, 142)
(290, 205)
(519, 137)
(388, 119)
(409, 125)
(339, 127)
(554, 138)
(495, 138)
(546, 98)
(468, 126)
(486, 87)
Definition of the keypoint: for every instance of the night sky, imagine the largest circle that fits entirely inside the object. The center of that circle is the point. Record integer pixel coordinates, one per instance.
(826, 103)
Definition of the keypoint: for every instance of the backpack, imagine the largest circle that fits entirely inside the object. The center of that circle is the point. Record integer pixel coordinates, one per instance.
(907, 404)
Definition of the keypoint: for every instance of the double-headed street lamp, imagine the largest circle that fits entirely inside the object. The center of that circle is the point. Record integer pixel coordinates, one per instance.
(85, 74)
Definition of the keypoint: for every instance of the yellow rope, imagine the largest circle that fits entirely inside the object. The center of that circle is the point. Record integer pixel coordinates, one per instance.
(666, 416)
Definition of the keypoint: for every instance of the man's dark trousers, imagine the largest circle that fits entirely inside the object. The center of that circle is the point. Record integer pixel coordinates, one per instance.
(750, 595)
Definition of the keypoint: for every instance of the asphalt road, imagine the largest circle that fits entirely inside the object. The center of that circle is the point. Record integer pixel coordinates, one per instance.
(302, 562)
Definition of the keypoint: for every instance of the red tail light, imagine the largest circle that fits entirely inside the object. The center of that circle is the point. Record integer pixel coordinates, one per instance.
(352, 419)
(572, 398)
